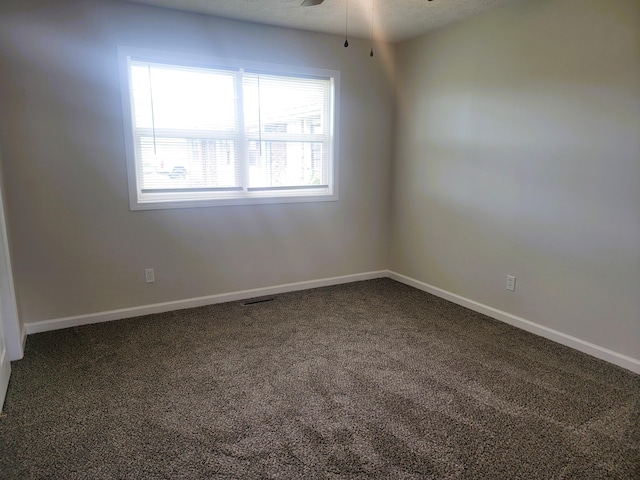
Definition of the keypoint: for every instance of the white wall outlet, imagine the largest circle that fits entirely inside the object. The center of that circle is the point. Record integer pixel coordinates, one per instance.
(511, 283)
(149, 275)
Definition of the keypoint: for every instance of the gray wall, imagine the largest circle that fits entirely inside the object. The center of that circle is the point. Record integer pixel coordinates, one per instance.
(518, 152)
(77, 248)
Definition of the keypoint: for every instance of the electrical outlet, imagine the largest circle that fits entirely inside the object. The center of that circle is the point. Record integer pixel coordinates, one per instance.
(511, 283)
(149, 275)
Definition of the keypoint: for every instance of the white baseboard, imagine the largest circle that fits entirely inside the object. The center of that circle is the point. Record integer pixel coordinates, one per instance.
(589, 348)
(597, 351)
(23, 339)
(79, 320)
(5, 373)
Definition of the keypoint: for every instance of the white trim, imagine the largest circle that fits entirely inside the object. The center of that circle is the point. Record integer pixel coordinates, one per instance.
(5, 373)
(190, 198)
(597, 351)
(14, 340)
(23, 340)
(78, 320)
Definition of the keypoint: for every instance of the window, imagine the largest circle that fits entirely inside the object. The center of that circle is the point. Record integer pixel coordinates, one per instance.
(201, 131)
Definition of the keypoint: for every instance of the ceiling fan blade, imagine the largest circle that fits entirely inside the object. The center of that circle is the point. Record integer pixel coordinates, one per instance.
(311, 3)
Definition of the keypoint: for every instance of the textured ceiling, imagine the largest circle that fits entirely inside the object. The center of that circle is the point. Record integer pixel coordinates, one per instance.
(393, 20)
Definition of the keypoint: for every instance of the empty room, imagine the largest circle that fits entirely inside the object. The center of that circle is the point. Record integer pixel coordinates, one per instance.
(320, 239)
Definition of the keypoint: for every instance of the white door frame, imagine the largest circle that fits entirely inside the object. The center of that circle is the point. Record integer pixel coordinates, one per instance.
(10, 343)
(5, 371)
(14, 334)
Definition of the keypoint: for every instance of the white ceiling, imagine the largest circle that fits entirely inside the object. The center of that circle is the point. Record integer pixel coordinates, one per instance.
(393, 20)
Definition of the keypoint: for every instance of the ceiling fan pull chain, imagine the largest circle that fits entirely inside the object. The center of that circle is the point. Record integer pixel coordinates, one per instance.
(346, 27)
(373, 2)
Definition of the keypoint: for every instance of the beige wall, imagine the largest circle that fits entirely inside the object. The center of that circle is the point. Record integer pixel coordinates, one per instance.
(518, 152)
(78, 249)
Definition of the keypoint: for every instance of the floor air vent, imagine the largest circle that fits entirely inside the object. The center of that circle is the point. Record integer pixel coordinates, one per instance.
(253, 301)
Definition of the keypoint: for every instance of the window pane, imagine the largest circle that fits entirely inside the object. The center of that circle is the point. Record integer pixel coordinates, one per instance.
(289, 104)
(179, 163)
(178, 113)
(289, 164)
(180, 97)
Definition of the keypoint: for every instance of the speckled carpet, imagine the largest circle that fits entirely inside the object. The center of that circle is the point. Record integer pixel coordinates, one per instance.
(366, 380)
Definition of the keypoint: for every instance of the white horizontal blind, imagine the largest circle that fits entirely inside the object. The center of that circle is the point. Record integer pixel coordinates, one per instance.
(285, 126)
(223, 134)
(186, 127)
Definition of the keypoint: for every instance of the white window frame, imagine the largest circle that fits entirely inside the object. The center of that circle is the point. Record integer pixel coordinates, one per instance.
(139, 200)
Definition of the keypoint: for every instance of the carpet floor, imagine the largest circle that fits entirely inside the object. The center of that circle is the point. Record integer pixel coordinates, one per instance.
(371, 379)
